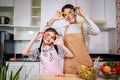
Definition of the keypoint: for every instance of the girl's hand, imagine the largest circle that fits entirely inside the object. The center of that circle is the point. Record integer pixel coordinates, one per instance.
(59, 40)
(38, 35)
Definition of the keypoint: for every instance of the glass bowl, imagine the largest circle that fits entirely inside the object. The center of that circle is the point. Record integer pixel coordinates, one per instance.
(111, 75)
(87, 72)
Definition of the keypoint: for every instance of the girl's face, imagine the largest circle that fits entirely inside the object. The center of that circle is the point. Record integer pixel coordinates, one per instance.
(49, 37)
(69, 15)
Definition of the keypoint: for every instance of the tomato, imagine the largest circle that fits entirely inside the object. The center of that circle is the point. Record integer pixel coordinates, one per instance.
(118, 66)
(107, 69)
(101, 68)
(113, 69)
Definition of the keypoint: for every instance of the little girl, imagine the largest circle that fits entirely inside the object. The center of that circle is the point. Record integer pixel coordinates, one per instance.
(47, 53)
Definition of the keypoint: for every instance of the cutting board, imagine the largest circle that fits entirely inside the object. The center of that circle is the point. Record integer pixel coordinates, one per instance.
(58, 77)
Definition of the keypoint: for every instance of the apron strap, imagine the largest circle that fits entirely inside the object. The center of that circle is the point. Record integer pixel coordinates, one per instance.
(88, 36)
(66, 30)
(82, 31)
(82, 28)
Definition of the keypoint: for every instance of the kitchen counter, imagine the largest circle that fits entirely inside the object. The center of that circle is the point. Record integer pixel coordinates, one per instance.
(59, 77)
(105, 57)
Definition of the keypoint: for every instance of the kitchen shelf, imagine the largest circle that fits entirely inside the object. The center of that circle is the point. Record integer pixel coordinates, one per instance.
(36, 13)
(8, 12)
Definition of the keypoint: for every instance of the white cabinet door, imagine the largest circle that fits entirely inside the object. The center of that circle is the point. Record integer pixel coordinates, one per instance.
(22, 13)
(29, 69)
(7, 3)
(110, 8)
(97, 10)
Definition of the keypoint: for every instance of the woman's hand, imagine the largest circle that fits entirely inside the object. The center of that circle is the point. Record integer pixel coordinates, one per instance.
(80, 11)
(58, 16)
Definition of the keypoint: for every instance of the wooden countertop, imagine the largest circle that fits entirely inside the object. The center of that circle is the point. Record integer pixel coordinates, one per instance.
(58, 77)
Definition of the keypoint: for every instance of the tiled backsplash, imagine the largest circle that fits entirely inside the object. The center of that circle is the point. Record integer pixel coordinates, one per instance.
(20, 44)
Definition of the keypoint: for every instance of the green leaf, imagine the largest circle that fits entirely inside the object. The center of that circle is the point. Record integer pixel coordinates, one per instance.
(7, 66)
(17, 73)
(3, 72)
(11, 75)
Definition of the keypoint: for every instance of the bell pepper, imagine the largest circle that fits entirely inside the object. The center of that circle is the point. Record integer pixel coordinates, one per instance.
(111, 64)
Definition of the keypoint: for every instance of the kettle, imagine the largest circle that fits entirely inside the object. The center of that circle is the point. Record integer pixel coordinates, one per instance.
(4, 20)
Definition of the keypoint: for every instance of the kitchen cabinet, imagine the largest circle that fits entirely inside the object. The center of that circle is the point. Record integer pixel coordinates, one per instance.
(97, 11)
(7, 3)
(25, 33)
(36, 13)
(110, 11)
(29, 68)
(104, 11)
(27, 24)
(6, 9)
(22, 13)
(27, 13)
(7, 12)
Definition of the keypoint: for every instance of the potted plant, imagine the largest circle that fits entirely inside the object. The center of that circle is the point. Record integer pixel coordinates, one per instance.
(4, 70)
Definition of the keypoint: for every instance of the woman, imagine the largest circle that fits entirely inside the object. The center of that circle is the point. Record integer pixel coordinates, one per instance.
(74, 37)
(48, 53)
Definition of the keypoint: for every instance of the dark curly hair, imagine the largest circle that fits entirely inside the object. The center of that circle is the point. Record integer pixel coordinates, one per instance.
(68, 6)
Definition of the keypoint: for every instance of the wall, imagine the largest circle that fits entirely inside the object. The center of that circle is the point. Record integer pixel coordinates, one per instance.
(118, 25)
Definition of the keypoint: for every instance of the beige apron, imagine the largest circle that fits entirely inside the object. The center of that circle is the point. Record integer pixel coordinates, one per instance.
(75, 42)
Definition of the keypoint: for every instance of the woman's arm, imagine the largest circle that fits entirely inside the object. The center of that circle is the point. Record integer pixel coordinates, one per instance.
(59, 42)
(93, 28)
(26, 50)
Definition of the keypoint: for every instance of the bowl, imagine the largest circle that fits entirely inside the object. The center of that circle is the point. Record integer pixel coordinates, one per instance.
(87, 72)
(111, 75)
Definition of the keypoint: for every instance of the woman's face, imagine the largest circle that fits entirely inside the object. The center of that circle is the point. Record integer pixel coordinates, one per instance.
(49, 37)
(69, 15)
